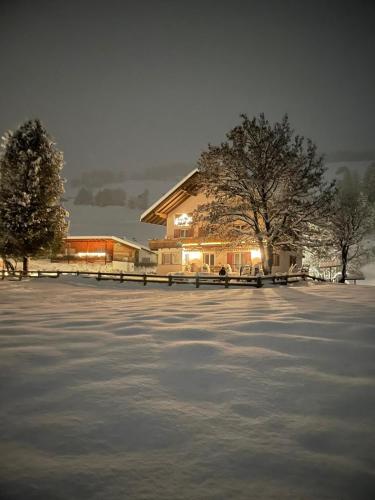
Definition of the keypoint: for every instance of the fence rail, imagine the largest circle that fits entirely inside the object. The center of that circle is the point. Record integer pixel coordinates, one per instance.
(170, 279)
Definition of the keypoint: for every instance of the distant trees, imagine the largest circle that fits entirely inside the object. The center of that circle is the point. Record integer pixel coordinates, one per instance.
(369, 183)
(112, 197)
(106, 197)
(84, 197)
(140, 201)
(350, 220)
(264, 184)
(32, 220)
(97, 178)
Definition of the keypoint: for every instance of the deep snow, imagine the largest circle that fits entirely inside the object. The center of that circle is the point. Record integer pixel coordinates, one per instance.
(116, 391)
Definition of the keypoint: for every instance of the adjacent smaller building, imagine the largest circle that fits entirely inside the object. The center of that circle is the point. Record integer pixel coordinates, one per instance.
(105, 250)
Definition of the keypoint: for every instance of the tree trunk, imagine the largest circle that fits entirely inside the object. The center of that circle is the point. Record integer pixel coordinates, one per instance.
(269, 258)
(25, 266)
(344, 263)
(263, 257)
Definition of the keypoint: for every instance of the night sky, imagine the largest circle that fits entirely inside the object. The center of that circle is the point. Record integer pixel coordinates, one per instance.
(130, 85)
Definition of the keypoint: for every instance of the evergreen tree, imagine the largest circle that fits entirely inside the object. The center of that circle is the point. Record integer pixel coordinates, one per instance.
(348, 181)
(142, 200)
(32, 221)
(369, 183)
(263, 184)
(84, 197)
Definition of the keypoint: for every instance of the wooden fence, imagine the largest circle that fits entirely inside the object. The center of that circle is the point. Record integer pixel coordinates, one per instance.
(170, 279)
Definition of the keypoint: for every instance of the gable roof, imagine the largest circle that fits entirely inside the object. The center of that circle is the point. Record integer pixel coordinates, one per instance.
(158, 212)
(123, 241)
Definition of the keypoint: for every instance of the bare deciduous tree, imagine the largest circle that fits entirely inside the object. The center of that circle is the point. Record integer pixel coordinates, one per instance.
(263, 183)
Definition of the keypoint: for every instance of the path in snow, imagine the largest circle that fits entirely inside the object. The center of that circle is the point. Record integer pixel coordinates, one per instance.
(115, 391)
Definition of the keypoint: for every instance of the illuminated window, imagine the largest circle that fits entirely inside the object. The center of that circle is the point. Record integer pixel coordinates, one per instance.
(190, 256)
(255, 253)
(183, 220)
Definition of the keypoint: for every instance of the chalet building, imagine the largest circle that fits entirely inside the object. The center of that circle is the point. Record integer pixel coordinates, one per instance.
(185, 249)
(104, 250)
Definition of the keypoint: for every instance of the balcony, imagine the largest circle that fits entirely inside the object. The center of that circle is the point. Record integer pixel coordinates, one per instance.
(163, 243)
(178, 242)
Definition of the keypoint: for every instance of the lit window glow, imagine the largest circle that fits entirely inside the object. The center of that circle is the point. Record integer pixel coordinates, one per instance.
(183, 220)
(190, 256)
(91, 254)
(255, 253)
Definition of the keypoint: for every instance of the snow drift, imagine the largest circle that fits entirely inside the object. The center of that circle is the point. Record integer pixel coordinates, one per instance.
(119, 391)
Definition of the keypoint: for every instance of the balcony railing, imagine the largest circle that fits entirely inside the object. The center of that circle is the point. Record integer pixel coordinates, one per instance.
(155, 244)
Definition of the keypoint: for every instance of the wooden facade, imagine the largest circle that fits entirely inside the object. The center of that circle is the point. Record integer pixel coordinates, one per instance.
(186, 249)
(103, 250)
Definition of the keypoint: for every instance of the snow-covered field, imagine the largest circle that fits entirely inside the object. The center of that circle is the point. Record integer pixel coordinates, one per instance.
(118, 391)
(369, 273)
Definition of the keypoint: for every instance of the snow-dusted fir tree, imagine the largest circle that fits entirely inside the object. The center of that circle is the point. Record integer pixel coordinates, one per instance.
(266, 184)
(32, 220)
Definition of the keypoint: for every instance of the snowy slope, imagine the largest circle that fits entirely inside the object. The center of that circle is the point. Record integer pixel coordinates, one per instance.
(124, 222)
(354, 166)
(113, 220)
(113, 391)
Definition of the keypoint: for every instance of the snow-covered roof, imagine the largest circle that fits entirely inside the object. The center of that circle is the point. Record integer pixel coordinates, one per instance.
(157, 213)
(123, 241)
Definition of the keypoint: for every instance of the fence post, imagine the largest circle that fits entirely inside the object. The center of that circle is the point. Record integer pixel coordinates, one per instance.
(170, 280)
(226, 281)
(20, 273)
(121, 277)
(58, 274)
(144, 279)
(197, 281)
(3, 274)
(259, 282)
(99, 276)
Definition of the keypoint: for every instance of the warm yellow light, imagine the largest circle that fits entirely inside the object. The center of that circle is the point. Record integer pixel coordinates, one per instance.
(255, 253)
(90, 254)
(194, 255)
(213, 243)
(183, 220)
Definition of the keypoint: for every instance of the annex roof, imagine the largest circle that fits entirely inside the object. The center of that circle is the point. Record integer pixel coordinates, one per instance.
(123, 241)
(158, 212)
